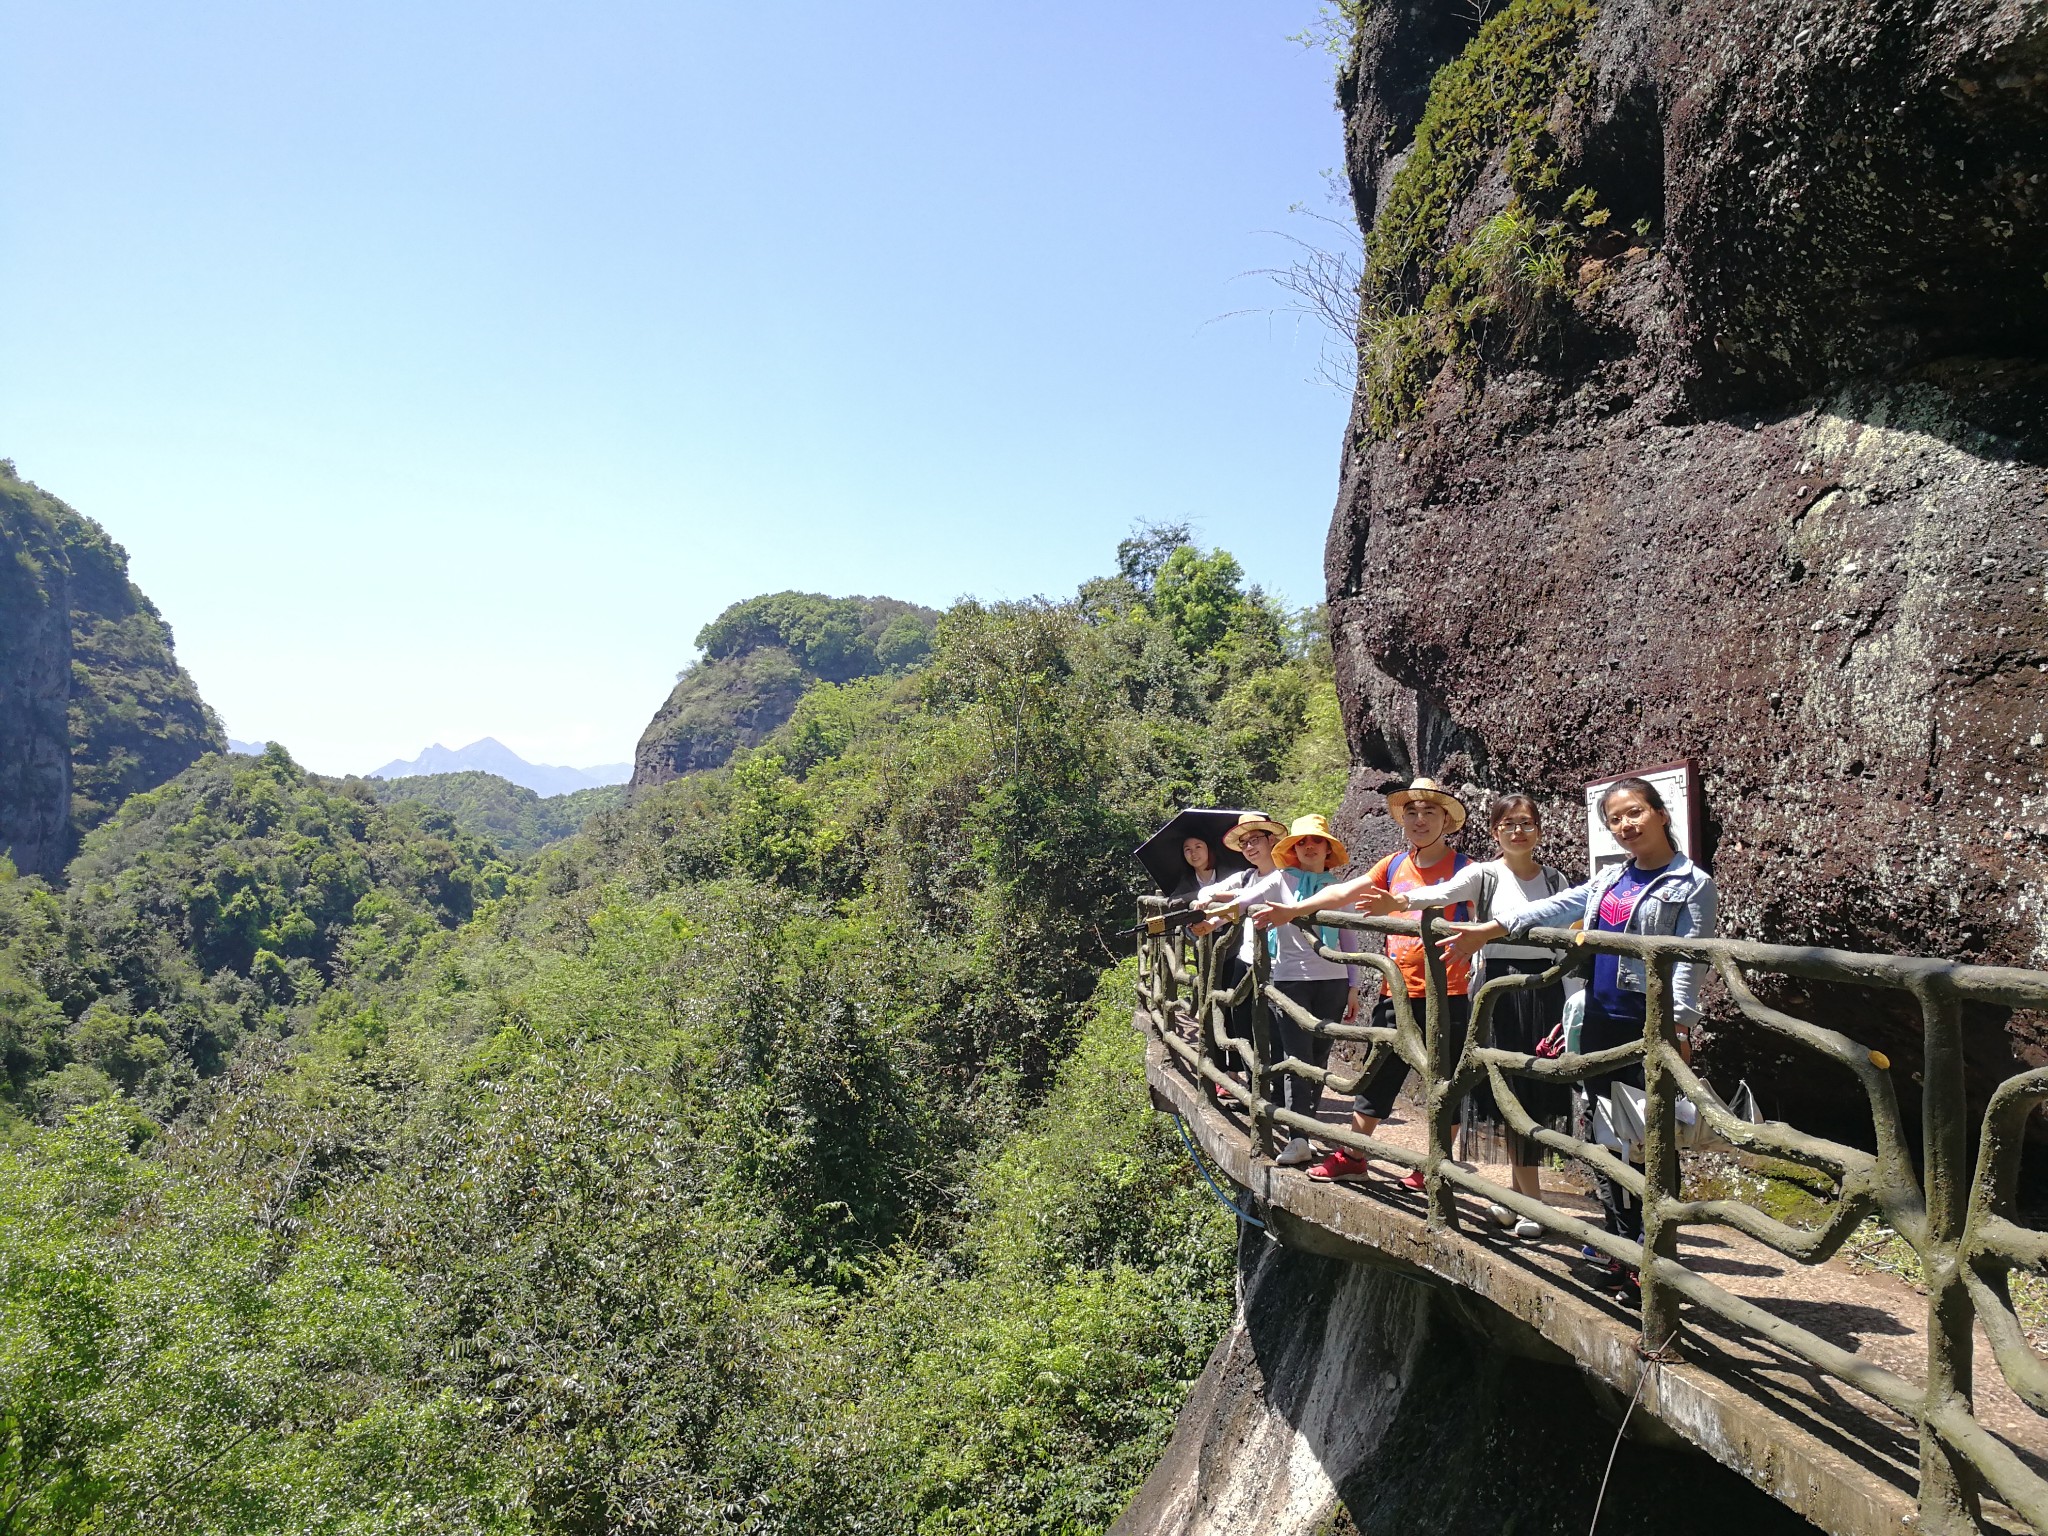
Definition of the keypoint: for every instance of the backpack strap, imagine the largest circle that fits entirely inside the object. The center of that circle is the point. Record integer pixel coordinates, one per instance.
(1462, 912)
(1489, 882)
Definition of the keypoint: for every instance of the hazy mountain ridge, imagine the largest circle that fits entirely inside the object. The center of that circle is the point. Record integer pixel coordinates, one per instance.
(489, 755)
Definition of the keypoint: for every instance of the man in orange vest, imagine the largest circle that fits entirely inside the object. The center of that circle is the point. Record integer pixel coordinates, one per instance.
(1429, 814)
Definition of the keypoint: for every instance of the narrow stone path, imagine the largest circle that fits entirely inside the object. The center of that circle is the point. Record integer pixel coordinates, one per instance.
(1879, 1315)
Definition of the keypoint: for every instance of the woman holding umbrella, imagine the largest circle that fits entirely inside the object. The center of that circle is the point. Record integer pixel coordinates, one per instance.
(1298, 865)
(1192, 851)
(1200, 857)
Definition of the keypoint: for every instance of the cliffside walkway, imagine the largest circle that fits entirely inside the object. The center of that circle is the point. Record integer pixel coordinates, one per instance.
(1862, 1402)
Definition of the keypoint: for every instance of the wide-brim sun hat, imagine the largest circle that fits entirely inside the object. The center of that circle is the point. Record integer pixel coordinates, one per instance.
(1311, 826)
(1435, 794)
(1251, 821)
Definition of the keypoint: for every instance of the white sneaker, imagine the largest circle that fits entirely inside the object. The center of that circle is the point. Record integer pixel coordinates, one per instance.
(1502, 1216)
(1528, 1230)
(1295, 1153)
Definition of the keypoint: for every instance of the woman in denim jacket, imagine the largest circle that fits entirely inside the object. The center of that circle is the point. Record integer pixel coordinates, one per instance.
(1658, 891)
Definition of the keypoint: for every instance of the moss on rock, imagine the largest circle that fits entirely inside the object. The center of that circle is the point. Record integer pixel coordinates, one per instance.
(1428, 297)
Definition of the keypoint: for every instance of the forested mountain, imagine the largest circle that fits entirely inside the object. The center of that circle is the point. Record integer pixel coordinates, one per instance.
(508, 814)
(93, 704)
(759, 657)
(771, 1157)
(219, 908)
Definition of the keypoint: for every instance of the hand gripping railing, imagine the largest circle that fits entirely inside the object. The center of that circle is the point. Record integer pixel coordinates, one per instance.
(1963, 1227)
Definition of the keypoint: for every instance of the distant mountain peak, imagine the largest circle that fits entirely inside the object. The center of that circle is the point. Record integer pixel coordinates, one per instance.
(489, 755)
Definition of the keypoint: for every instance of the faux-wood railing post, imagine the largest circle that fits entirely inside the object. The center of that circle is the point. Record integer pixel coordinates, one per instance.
(1660, 1157)
(1440, 1062)
(1262, 1048)
(1948, 1493)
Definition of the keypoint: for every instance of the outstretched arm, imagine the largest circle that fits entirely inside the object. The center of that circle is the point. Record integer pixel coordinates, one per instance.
(1359, 891)
(1465, 885)
(1466, 939)
(1558, 911)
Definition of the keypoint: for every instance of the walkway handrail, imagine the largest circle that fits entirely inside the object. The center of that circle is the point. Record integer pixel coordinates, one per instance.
(1966, 1230)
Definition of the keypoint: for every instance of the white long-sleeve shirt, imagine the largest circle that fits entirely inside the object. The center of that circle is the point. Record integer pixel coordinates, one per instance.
(1512, 895)
(1294, 954)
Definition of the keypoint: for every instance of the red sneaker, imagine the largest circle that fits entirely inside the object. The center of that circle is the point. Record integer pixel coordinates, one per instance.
(1342, 1166)
(1415, 1180)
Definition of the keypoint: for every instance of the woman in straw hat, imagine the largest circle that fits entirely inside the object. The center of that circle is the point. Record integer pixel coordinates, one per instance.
(1326, 989)
(1255, 837)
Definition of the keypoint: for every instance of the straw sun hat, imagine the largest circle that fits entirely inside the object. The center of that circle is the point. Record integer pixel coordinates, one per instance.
(1251, 821)
(1311, 826)
(1435, 794)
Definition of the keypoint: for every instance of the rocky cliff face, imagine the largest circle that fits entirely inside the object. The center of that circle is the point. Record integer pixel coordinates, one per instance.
(1349, 1398)
(1703, 411)
(93, 704)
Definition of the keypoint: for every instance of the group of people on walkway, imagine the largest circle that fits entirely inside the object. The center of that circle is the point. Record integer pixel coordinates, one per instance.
(1490, 907)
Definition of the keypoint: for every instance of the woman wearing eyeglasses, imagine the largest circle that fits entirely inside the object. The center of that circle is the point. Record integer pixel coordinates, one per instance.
(1658, 892)
(1254, 837)
(1500, 890)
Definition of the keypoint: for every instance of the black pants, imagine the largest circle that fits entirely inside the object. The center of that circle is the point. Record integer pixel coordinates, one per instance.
(1520, 1020)
(1237, 1022)
(1622, 1211)
(1376, 1099)
(1325, 1000)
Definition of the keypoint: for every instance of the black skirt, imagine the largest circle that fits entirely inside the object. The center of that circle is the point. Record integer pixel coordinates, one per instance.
(1520, 1019)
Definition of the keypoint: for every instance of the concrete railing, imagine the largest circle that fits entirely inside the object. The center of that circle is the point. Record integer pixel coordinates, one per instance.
(1959, 1216)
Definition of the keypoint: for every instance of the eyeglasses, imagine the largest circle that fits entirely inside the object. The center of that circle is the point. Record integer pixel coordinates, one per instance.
(1517, 826)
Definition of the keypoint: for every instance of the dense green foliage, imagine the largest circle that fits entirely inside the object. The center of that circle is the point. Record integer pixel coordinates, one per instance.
(497, 810)
(839, 638)
(771, 1157)
(88, 681)
(210, 911)
(759, 657)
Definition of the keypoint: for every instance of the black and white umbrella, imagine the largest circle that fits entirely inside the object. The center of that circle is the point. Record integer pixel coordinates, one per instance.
(1168, 866)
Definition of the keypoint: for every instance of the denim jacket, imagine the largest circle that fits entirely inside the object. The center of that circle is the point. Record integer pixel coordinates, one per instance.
(1679, 903)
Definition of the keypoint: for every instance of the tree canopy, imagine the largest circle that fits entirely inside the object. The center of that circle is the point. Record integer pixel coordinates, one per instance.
(771, 1156)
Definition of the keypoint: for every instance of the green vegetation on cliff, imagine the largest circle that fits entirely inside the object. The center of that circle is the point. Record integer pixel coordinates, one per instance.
(771, 1157)
(759, 657)
(93, 704)
(1428, 297)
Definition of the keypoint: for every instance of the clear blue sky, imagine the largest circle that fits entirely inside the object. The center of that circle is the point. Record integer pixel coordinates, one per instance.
(444, 366)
